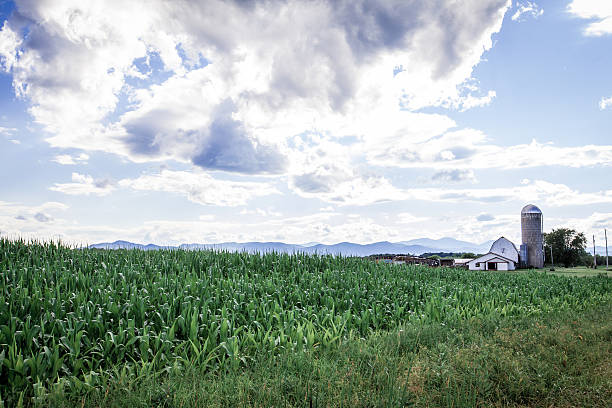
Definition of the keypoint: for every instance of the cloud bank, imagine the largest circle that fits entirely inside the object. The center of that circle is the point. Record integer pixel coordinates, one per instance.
(322, 96)
(224, 85)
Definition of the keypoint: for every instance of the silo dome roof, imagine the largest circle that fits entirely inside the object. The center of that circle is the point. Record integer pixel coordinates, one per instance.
(531, 209)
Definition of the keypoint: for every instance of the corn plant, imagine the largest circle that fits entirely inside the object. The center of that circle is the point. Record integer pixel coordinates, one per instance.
(77, 317)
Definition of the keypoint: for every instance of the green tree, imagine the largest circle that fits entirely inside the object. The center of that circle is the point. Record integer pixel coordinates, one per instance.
(567, 246)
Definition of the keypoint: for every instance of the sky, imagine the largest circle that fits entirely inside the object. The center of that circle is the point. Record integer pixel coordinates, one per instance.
(303, 121)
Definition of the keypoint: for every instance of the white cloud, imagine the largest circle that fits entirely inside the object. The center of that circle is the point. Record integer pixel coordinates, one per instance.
(350, 188)
(200, 187)
(363, 192)
(84, 185)
(328, 226)
(594, 223)
(9, 45)
(553, 195)
(301, 89)
(67, 159)
(323, 169)
(470, 101)
(409, 218)
(4, 131)
(197, 186)
(17, 208)
(471, 149)
(260, 212)
(18, 220)
(28, 220)
(527, 9)
(8, 134)
(235, 91)
(599, 11)
(605, 103)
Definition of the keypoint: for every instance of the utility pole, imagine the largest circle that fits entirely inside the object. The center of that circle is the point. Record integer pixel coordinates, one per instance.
(552, 260)
(606, 235)
(594, 255)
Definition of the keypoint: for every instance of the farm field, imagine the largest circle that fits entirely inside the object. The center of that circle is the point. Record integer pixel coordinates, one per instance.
(581, 271)
(180, 328)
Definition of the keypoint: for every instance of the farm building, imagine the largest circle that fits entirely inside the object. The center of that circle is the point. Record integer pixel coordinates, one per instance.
(447, 262)
(404, 260)
(461, 263)
(503, 256)
(532, 249)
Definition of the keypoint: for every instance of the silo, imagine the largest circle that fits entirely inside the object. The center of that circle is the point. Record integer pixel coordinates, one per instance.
(531, 231)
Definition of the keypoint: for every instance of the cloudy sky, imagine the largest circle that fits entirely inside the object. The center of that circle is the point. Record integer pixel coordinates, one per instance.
(299, 121)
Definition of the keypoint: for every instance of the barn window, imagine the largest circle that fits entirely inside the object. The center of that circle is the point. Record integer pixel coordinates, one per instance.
(477, 264)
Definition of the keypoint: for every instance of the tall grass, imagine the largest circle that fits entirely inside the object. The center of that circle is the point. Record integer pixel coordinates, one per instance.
(72, 319)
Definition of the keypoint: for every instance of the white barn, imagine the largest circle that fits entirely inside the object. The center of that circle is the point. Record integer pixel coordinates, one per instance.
(503, 256)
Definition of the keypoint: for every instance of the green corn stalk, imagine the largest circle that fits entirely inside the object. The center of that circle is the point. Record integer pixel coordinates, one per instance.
(68, 317)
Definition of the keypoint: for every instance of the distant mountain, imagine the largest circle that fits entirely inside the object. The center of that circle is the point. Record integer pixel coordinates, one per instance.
(127, 245)
(350, 249)
(250, 247)
(414, 247)
(451, 245)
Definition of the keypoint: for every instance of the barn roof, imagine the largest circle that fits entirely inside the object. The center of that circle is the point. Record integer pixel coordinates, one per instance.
(503, 239)
(494, 256)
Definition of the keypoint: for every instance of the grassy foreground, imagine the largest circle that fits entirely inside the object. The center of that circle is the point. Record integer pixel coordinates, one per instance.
(557, 360)
(580, 271)
(170, 328)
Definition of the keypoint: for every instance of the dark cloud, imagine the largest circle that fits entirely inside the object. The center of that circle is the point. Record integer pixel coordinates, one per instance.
(224, 145)
(453, 176)
(312, 183)
(371, 26)
(228, 147)
(142, 134)
(485, 217)
(461, 30)
(250, 4)
(21, 218)
(42, 217)
(374, 25)
(103, 183)
(461, 152)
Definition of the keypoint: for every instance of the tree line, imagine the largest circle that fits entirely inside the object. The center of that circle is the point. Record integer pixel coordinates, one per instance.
(568, 248)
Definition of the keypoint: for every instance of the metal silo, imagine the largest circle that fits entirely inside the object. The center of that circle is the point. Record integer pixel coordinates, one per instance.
(531, 231)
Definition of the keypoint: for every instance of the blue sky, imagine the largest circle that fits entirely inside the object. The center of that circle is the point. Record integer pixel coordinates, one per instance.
(303, 121)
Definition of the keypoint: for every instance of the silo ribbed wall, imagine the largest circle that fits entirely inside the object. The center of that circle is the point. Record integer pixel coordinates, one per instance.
(531, 229)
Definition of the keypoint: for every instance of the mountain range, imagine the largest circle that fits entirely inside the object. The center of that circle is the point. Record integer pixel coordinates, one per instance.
(413, 247)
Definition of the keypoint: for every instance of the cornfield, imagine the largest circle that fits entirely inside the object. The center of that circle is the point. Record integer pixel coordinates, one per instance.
(78, 317)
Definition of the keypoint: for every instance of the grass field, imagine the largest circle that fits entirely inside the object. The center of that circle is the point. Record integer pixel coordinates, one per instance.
(554, 360)
(180, 328)
(580, 271)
